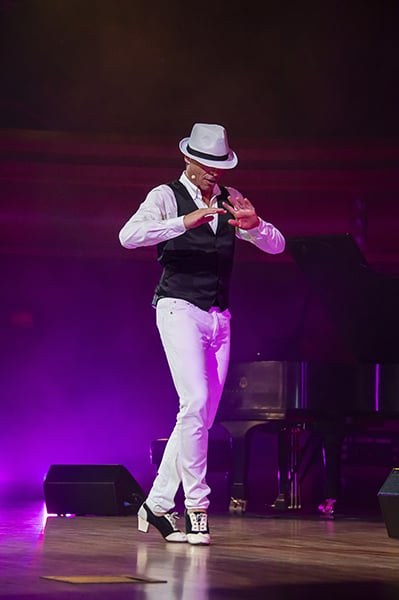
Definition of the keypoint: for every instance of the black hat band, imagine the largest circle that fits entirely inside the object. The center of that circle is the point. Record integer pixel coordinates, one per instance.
(207, 156)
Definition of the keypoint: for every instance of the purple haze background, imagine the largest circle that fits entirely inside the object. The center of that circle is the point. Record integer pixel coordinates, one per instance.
(84, 377)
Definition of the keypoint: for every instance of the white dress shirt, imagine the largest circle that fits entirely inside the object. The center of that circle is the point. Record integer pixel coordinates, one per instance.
(156, 220)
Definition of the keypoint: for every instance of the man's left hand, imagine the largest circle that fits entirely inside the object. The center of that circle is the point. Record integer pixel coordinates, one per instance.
(243, 212)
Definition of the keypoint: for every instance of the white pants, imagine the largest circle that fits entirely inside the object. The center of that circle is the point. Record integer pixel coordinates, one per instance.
(197, 347)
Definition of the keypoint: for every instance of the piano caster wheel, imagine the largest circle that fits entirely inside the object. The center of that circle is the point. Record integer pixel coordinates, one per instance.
(326, 508)
(237, 505)
(281, 503)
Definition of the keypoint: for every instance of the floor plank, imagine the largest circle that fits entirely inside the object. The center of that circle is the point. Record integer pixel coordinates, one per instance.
(251, 556)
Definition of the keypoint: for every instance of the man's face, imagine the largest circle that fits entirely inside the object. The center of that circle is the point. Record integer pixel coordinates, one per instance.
(202, 176)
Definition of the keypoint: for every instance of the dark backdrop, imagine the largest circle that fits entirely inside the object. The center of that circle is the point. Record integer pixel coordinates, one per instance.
(296, 69)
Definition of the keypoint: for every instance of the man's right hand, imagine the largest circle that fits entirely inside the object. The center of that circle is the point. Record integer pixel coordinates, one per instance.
(200, 216)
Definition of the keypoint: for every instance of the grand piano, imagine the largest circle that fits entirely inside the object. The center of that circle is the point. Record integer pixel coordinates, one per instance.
(323, 397)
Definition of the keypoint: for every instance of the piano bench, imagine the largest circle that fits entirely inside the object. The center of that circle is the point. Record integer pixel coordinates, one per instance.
(219, 454)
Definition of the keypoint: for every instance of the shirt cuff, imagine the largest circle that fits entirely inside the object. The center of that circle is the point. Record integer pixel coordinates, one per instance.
(260, 230)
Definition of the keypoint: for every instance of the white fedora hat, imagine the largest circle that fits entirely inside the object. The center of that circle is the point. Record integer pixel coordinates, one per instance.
(208, 145)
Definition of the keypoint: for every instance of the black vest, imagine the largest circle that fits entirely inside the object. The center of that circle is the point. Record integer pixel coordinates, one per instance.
(197, 265)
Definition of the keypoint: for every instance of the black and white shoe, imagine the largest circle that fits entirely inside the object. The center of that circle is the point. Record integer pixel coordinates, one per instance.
(166, 524)
(197, 528)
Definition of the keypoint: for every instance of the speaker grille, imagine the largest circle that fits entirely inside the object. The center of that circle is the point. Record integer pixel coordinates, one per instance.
(91, 489)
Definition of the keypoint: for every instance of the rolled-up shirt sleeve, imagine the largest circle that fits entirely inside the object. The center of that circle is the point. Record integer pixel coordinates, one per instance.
(154, 222)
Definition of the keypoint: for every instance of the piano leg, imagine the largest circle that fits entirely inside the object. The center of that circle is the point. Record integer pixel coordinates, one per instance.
(238, 474)
(289, 449)
(332, 433)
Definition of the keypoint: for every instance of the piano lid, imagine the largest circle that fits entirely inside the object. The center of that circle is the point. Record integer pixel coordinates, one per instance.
(362, 303)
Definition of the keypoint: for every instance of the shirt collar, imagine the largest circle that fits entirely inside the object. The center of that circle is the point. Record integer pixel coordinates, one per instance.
(194, 190)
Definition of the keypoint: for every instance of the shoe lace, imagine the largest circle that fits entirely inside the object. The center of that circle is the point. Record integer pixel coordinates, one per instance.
(172, 518)
(203, 521)
(199, 521)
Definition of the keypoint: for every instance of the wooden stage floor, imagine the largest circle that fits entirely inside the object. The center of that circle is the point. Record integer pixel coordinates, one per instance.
(280, 557)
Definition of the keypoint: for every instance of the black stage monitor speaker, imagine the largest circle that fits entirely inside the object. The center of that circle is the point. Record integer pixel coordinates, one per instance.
(91, 490)
(388, 498)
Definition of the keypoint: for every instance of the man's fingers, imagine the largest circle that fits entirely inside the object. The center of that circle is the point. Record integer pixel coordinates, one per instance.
(212, 211)
(236, 203)
(201, 215)
(229, 207)
(247, 204)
